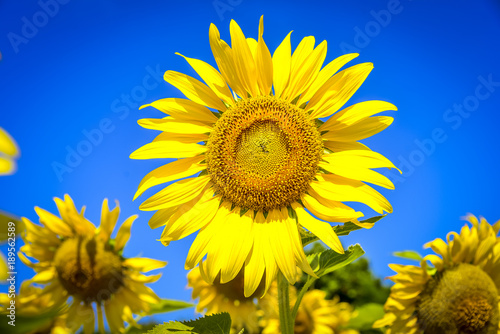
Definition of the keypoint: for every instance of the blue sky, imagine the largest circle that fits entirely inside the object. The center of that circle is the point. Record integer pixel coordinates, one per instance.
(81, 69)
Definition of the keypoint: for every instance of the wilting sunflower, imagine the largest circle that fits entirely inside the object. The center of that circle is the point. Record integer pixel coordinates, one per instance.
(459, 294)
(253, 133)
(78, 260)
(8, 152)
(31, 303)
(316, 315)
(229, 297)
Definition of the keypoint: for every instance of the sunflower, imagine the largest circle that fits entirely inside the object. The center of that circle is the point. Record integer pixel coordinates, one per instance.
(31, 302)
(8, 152)
(457, 294)
(316, 315)
(259, 156)
(78, 261)
(229, 297)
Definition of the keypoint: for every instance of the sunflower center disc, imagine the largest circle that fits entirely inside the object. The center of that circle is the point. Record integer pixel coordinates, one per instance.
(462, 300)
(87, 269)
(263, 153)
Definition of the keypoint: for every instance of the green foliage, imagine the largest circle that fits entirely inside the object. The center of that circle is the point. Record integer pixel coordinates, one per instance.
(355, 283)
(409, 254)
(166, 305)
(327, 261)
(211, 324)
(27, 324)
(344, 229)
(366, 315)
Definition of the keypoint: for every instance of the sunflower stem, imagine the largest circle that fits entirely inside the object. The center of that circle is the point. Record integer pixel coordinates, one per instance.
(307, 285)
(286, 320)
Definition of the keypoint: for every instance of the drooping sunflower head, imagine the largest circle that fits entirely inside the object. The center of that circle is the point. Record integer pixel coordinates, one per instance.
(32, 302)
(75, 259)
(8, 153)
(458, 294)
(254, 141)
(228, 297)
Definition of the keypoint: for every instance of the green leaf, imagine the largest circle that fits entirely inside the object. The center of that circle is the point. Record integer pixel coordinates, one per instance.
(28, 324)
(329, 260)
(366, 315)
(344, 229)
(5, 218)
(166, 305)
(211, 324)
(409, 254)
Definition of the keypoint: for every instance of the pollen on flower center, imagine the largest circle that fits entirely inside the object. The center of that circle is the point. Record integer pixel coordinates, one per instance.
(463, 299)
(87, 269)
(263, 153)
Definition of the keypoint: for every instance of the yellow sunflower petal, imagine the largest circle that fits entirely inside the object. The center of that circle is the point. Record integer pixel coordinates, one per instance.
(362, 174)
(281, 246)
(254, 264)
(190, 217)
(305, 67)
(183, 109)
(185, 138)
(330, 211)
(322, 230)
(360, 130)
(162, 216)
(338, 90)
(282, 59)
(245, 64)
(235, 244)
(45, 276)
(70, 215)
(264, 62)
(176, 193)
(144, 264)
(200, 245)
(298, 249)
(170, 124)
(212, 78)
(7, 166)
(167, 149)
(342, 189)
(194, 90)
(108, 220)
(54, 223)
(7, 144)
(325, 74)
(175, 170)
(224, 59)
(337, 146)
(114, 311)
(355, 113)
(267, 240)
(124, 233)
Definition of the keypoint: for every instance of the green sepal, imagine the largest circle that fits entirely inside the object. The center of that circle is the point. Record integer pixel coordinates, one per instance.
(409, 255)
(211, 324)
(167, 305)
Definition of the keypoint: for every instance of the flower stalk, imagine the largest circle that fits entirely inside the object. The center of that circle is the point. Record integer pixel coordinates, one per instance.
(285, 314)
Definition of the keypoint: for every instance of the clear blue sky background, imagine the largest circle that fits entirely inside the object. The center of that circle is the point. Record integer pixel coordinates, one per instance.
(92, 63)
